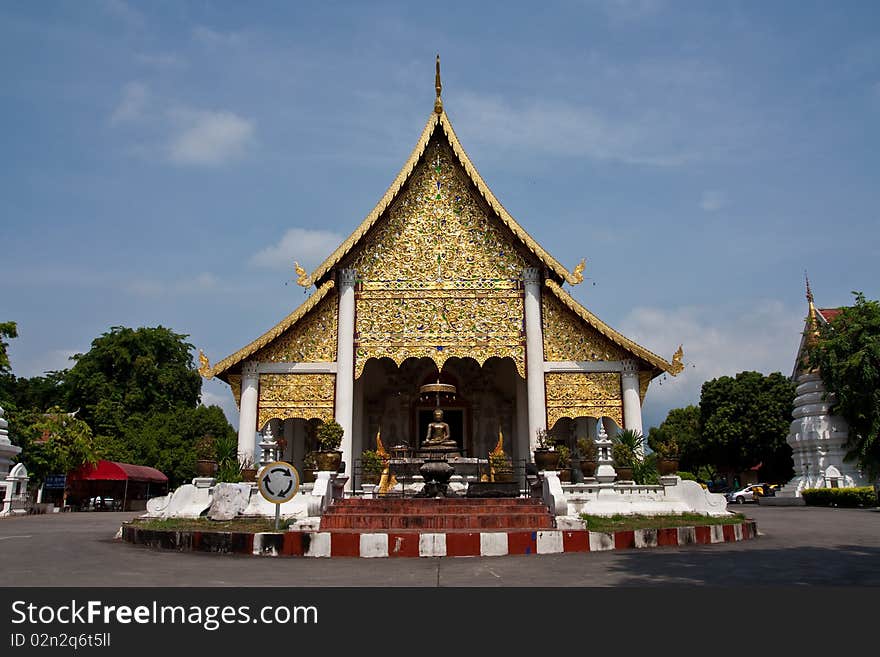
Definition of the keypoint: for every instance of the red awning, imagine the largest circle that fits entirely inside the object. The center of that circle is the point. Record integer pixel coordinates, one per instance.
(113, 471)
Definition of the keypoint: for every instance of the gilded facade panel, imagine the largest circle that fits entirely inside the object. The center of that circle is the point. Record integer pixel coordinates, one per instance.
(440, 276)
(594, 394)
(311, 340)
(439, 229)
(567, 337)
(296, 396)
(440, 324)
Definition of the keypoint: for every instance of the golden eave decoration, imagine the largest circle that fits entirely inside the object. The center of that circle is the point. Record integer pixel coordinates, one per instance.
(274, 332)
(439, 119)
(661, 364)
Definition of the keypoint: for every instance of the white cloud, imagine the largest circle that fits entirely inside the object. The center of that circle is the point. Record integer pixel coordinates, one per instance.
(131, 107)
(308, 247)
(563, 129)
(148, 287)
(713, 200)
(124, 12)
(629, 10)
(49, 361)
(208, 138)
(160, 60)
(723, 340)
(216, 393)
(210, 37)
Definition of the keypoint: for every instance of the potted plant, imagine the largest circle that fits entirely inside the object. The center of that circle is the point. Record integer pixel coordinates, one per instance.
(371, 465)
(206, 456)
(564, 463)
(248, 469)
(309, 467)
(546, 458)
(501, 467)
(328, 456)
(626, 452)
(667, 457)
(588, 453)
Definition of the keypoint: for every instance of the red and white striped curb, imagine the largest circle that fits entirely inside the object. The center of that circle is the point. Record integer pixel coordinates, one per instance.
(441, 544)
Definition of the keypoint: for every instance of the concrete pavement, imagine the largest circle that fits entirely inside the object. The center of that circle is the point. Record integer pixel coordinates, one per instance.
(797, 545)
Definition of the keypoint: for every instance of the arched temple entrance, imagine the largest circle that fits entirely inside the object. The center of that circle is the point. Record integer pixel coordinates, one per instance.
(489, 398)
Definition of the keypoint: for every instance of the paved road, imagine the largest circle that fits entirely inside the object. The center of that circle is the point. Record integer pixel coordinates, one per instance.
(798, 545)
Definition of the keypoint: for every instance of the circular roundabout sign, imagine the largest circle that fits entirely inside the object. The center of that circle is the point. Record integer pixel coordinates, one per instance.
(278, 482)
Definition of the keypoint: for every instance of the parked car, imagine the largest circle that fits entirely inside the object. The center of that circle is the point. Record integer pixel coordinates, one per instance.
(748, 494)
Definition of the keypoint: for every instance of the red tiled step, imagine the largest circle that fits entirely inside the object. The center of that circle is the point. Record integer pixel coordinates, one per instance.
(444, 514)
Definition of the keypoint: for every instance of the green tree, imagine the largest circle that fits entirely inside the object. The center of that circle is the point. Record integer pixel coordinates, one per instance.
(744, 421)
(682, 427)
(130, 372)
(166, 440)
(7, 380)
(56, 443)
(847, 355)
(7, 330)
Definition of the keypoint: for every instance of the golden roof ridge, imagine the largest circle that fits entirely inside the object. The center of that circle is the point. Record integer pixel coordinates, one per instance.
(314, 299)
(645, 354)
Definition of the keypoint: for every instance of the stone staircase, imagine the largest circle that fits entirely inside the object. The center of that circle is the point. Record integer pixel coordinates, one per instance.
(436, 515)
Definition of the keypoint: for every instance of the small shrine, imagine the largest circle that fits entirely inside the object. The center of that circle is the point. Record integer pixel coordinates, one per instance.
(439, 325)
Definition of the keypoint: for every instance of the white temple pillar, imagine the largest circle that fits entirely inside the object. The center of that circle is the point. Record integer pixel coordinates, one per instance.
(534, 356)
(345, 365)
(632, 405)
(247, 416)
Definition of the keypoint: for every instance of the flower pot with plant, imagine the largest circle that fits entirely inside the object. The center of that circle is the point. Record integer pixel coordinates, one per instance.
(588, 454)
(564, 463)
(546, 458)
(667, 457)
(371, 465)
(309, 467)
(626, 452)
(248, 470)
(206, 456)
(328, 456)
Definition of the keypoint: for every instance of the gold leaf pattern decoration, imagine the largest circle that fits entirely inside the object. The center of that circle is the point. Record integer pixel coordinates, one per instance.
(567, 337)
(311, 340)
(594, 394)
(303, 396)
(235, 384)
(645, 378)
(440, 276)
(439, 229)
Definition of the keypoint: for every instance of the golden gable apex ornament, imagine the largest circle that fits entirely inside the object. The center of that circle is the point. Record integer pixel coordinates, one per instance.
(205, 369)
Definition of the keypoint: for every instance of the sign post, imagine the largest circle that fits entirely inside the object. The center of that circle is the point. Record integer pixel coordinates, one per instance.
(278, 482)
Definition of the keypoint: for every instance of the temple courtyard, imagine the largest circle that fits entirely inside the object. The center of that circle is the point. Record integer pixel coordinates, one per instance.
(796, 546)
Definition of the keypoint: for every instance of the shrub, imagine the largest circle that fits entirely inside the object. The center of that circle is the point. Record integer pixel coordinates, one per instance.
(841, 497)
(371, 462)
(587, 449)
(686, 476)
(330, 436)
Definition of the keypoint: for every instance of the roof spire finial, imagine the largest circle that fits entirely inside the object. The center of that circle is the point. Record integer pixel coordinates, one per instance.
(438, 103)
(809, 291)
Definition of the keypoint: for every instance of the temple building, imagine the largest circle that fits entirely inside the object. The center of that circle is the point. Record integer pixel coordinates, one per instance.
(439, 283)
(817, 438)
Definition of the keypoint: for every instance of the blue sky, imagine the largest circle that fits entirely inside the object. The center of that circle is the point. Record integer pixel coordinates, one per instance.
(164, 162)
